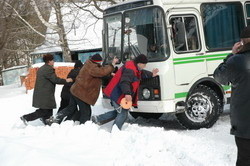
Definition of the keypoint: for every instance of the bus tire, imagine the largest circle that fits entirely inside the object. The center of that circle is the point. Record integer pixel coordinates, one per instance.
(203, 108)
(146, 115)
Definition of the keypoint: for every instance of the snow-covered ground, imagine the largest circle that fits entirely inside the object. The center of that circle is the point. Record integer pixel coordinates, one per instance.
(141, 142)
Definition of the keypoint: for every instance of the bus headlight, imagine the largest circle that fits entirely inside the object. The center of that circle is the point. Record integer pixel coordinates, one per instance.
(146, 93)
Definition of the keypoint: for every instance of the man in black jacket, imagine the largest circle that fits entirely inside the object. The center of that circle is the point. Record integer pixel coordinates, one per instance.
(65, 93)
(43, 96)
(236, 70)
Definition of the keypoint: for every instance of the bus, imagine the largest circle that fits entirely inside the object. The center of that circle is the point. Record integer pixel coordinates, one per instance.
(186, 40)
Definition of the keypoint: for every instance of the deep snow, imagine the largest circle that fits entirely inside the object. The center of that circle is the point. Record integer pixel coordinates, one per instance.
(141, 142)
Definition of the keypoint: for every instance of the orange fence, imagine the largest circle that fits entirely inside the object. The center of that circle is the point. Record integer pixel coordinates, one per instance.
(61, 71)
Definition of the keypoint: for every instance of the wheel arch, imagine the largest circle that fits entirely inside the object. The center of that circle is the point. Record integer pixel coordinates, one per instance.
(210, 82)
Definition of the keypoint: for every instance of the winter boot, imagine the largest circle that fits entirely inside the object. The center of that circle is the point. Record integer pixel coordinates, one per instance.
(56, 119)
(44, 120)
(94, 120)
(49, 121)
(24, 120)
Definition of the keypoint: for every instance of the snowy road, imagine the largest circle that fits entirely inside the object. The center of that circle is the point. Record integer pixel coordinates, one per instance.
(141, 143)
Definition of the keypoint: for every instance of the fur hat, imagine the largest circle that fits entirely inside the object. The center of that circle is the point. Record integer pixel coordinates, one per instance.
(96, 58)
(245, 33)
(78, 64)
(141, 59)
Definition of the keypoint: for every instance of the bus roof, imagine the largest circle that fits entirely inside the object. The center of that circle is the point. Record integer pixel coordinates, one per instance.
(165, 2)
(138, 3)
(126, 2)
(174, 1)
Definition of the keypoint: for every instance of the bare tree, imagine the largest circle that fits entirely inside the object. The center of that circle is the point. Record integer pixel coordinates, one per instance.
(61, 31)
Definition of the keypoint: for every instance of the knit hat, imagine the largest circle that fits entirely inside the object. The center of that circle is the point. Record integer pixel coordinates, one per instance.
(141, 59)
(96, 58)
(78, 64)
(245, 33)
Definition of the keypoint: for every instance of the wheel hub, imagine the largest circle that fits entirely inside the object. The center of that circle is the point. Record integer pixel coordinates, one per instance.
(199, 107)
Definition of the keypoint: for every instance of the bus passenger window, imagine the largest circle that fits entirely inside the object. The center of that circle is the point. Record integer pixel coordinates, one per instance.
(184, 34)
(248, 13)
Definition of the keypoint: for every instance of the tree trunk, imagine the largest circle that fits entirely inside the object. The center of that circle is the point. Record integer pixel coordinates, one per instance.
(62, 35)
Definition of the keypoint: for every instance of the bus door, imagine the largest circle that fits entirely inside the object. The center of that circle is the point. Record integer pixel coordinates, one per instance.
(187, 50)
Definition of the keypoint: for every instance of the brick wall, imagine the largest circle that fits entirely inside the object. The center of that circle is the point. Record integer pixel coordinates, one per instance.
(61, 71)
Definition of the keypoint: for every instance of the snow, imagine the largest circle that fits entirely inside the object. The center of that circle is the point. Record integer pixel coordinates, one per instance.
(140, 143)
(56, 64)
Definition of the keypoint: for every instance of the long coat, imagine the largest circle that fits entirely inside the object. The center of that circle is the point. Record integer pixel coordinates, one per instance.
(236, 70)
(46, 79)
(88, 82)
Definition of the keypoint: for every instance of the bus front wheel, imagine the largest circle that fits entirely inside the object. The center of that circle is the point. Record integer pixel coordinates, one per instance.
(203, 108)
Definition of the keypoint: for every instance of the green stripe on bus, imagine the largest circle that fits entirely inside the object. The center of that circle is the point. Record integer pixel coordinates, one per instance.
(180, 95)
(200, 57)
(226, 87)
(193, 61)
(213, 59)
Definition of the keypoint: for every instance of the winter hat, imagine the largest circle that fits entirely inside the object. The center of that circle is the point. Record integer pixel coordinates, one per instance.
(96, 58)
(48, 57)
(245, 33)
(78, 64)
(141, 59)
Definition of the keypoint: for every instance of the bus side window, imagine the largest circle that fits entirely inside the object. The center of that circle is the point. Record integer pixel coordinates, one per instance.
(185, 34)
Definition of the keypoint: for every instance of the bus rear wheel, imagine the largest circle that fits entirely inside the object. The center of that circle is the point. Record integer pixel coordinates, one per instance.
(146, 115)
(203, 108)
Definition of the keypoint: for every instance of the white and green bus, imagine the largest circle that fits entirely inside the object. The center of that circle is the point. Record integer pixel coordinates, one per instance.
(190, 39)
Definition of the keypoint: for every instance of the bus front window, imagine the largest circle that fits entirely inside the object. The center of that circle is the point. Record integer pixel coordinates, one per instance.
(112, 37)
(144, 33)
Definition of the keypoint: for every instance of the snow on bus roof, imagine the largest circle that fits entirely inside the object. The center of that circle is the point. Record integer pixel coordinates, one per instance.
(56, 64)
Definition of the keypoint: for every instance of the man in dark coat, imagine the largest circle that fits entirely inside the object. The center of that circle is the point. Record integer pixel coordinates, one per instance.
(124, 84)
(65, 93)
(86, 89)
(236, 70)
(43, 96)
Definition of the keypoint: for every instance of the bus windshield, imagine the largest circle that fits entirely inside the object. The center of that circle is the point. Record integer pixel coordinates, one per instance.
(112, 36)
(143, 32)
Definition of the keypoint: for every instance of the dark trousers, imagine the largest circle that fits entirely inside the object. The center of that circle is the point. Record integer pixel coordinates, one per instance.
(84, 110)
(74, 116)
(39, 113)
(243, 146)
(64, 103)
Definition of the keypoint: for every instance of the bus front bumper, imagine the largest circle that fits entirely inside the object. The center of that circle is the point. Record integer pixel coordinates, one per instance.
(148, 106)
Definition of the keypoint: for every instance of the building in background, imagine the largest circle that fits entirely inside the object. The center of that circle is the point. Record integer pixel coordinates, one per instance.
(14, 75)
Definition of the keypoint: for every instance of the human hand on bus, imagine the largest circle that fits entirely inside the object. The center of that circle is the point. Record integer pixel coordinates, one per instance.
(128, 97)
(69, 80)
(115, 60)
(237, 47)
(155, 72)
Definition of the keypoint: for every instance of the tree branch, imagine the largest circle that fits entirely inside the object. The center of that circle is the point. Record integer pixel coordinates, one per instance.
(25, 20)
(47, 24)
